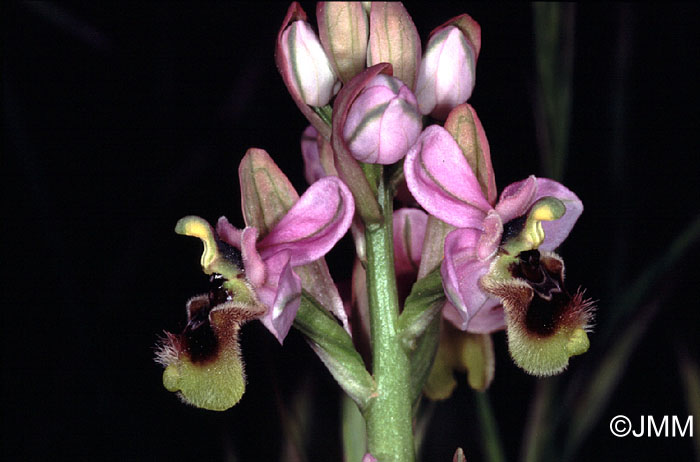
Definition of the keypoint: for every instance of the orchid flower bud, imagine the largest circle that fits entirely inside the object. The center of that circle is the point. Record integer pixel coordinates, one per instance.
(312, 76)
(394, 39)
(446, 75)
(344, 31)
(383, 122)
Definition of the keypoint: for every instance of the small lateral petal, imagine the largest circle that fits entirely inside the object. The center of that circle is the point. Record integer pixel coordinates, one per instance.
(517, 198)
(255, 267)
(491, 236)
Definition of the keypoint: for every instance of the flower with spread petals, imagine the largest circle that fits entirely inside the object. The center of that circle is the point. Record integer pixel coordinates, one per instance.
(499, 269)
(254, 277)
(305, 234)
(382, 122)
(298, 232)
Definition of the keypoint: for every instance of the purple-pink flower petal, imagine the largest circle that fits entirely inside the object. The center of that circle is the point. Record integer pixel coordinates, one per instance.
(313, 225)
(491, 236)
(442, 182)
(282, 294)
(517, 198)
(490, 318)
(461, 271)
(557, 230)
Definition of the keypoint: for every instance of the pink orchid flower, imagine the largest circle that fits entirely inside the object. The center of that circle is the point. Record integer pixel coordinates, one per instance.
(442, 181)
(306, 233)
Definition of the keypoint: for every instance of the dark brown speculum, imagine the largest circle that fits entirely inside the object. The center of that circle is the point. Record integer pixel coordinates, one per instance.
(550, 298)
(198, 337)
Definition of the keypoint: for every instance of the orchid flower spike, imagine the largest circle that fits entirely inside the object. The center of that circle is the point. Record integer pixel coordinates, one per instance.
(499, 269)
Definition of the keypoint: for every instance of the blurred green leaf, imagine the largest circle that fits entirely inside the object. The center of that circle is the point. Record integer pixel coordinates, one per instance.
(554, 52)
(354, 431)
(537, 440)
(492, 445)
(295, 421)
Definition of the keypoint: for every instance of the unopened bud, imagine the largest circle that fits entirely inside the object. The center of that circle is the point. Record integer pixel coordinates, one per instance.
(344, 31)
(312, 76)
(446, 75)
(383, 121)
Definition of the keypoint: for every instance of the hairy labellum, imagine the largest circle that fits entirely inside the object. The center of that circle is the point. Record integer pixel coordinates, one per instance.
(203, 363)
(546, 324)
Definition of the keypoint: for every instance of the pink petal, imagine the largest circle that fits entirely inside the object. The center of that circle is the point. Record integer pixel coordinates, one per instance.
(313, 225)
(491, 237)
(286, 287)
(461, 271)
(442, 182)
(516, 199)
(255, 268)
(489, 318)
(557, 230)
(409, 232)
(228, 233)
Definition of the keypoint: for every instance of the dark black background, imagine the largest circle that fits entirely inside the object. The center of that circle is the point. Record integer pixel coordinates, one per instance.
(120, 118)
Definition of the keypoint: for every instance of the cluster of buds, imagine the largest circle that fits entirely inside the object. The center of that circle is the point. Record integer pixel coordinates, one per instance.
(372, 97)
(384, 113)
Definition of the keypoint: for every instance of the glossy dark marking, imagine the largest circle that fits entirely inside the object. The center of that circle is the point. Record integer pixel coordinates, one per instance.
(217, 293)
(199, 338)
(550, 298)
(230, 253)
(513, 228)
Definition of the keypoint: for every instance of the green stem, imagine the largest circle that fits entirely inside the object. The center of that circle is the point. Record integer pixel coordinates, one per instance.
(389, 413)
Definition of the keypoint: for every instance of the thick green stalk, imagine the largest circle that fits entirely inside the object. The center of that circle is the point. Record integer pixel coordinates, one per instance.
(389, 413)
